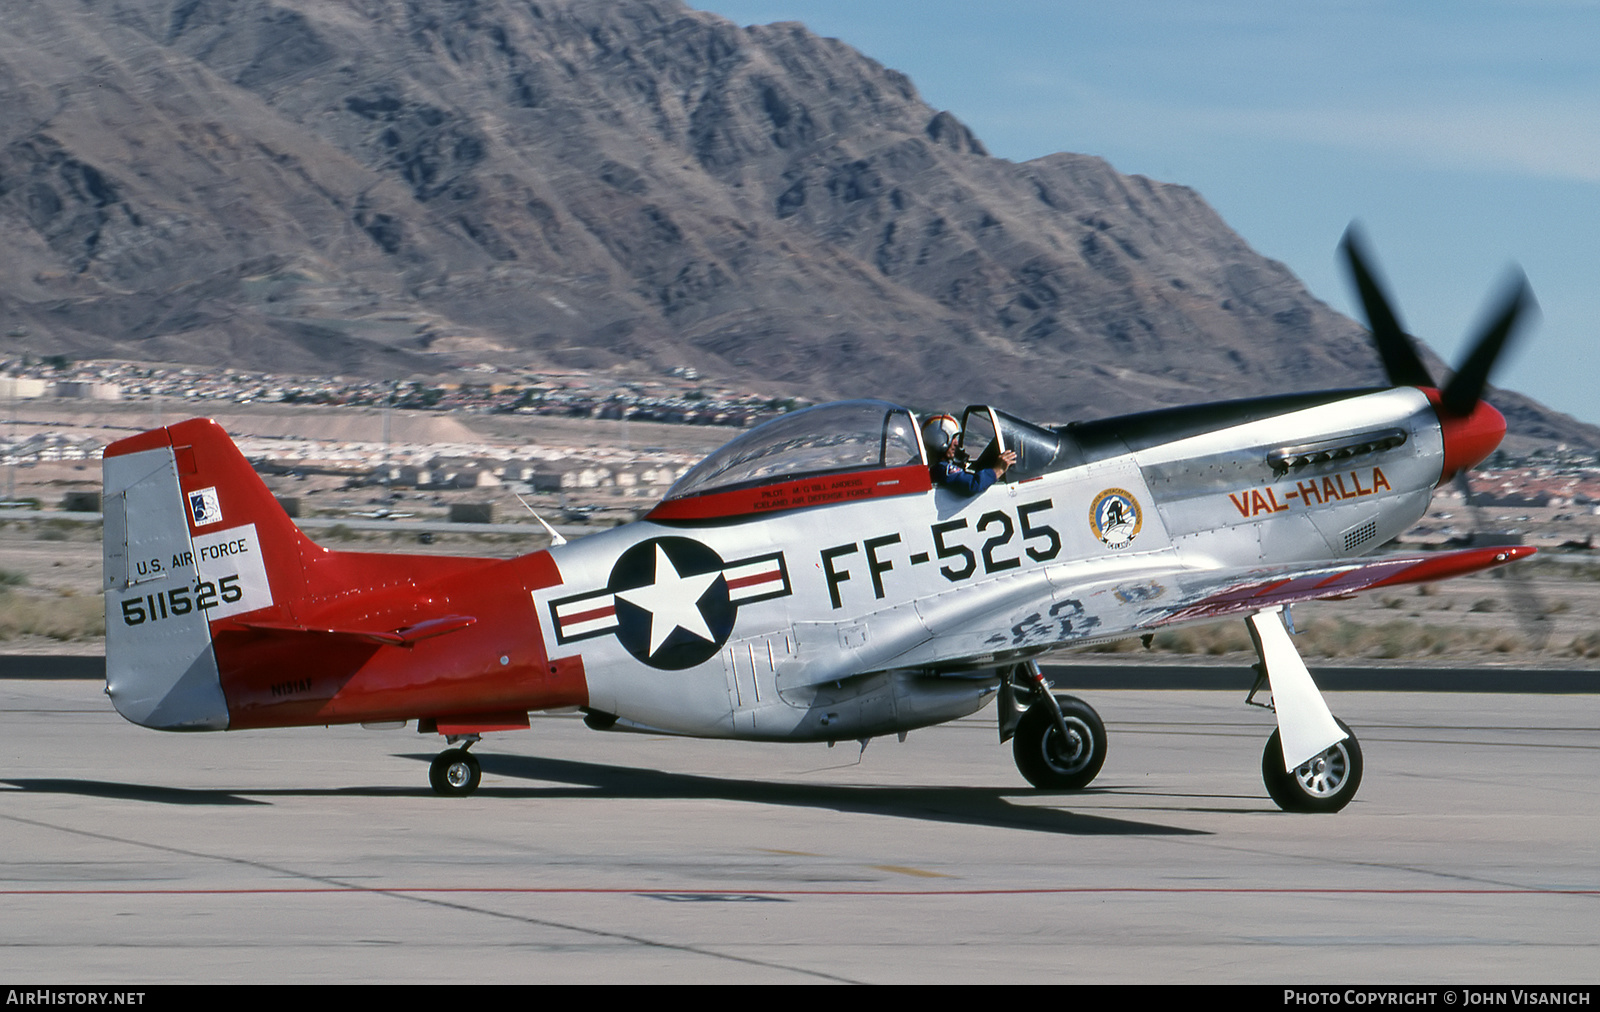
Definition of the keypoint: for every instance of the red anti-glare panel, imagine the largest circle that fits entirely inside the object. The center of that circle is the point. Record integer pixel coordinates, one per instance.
(819, 490)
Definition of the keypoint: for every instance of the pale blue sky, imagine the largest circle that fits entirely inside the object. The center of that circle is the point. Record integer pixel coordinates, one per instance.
(1464, 135)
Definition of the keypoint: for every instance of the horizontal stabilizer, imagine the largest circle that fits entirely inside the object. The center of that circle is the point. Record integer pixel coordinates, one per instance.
(391, 637)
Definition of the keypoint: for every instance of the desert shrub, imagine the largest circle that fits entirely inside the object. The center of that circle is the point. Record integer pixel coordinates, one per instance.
(1126, 646)
(60, 617)
(1587, 645)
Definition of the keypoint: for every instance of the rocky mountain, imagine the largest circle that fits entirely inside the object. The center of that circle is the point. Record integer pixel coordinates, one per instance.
(398, 186)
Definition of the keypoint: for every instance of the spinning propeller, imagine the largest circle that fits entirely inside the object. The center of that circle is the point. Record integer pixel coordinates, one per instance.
(1472, 428)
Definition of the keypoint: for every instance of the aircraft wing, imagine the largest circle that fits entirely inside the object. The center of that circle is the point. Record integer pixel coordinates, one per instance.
(1244, 593)
(1072, 611)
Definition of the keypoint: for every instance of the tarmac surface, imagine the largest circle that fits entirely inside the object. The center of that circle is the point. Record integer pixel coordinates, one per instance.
(1471, 854)
(1079, 675)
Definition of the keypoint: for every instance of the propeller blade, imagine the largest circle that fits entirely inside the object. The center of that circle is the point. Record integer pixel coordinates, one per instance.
(1464, 487)
(1532, 612)
(1397, 349)
(1466, 387)
(1525, 599)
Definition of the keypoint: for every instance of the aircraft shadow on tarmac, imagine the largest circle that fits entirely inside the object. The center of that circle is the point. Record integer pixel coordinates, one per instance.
(133, 792)
(973, 806)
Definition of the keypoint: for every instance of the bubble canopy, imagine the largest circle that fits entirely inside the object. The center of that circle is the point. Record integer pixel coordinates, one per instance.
(847, 438)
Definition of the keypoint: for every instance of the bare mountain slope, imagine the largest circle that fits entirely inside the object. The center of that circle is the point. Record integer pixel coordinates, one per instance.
(396, 185)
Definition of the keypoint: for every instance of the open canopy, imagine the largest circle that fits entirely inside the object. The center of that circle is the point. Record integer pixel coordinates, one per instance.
(829, 453)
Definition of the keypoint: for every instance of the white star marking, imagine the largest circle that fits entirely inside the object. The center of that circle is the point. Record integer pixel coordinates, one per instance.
(671, 602)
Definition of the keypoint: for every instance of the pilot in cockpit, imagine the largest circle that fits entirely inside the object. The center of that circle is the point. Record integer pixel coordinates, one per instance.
(947, 460)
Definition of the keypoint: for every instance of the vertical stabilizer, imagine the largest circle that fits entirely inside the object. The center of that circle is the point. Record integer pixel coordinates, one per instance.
(186, 522)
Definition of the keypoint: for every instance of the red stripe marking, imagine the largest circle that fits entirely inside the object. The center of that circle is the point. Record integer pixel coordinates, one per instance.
(589, 616)
(1469, 560)
(751, 581)
(1269, 588)
(656, 890)
(143, 441)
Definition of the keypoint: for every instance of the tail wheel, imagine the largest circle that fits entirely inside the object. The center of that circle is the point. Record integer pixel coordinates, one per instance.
(1324, 783)
(1055, 763)
(455, 773)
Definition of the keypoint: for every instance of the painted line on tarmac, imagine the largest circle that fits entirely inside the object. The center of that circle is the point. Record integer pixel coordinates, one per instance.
(438, 898)
(625, 891)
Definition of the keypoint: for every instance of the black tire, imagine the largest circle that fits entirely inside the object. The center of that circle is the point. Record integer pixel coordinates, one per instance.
(1049, 764)
(455, 773)
(1323, 783)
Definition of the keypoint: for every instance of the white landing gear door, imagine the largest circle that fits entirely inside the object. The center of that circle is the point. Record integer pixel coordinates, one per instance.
(1305, 726)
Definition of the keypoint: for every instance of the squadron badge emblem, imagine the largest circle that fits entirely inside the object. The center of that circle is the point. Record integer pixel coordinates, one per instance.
(1115, 517)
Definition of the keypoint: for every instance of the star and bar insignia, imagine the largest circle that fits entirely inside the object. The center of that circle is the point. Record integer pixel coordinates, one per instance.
(671, 601)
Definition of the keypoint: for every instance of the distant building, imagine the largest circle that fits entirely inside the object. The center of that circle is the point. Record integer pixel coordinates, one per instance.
(472, 513)
(88, 390)
(475, 477)
(21, 388)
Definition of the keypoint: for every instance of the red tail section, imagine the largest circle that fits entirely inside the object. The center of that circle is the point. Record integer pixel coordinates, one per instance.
(231, 600)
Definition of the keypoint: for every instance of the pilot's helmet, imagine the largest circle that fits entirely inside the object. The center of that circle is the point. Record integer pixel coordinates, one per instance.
(938, 433)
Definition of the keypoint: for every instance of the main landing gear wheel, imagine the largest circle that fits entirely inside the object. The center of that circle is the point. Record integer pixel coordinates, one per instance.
(455, 773)
(1051, 762)
(1323, 783)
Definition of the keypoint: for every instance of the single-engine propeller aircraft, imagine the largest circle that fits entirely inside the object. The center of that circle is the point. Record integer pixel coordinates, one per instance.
(810, 582)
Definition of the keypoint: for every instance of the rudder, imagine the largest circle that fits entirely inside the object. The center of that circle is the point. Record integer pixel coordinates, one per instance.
(191, 535)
